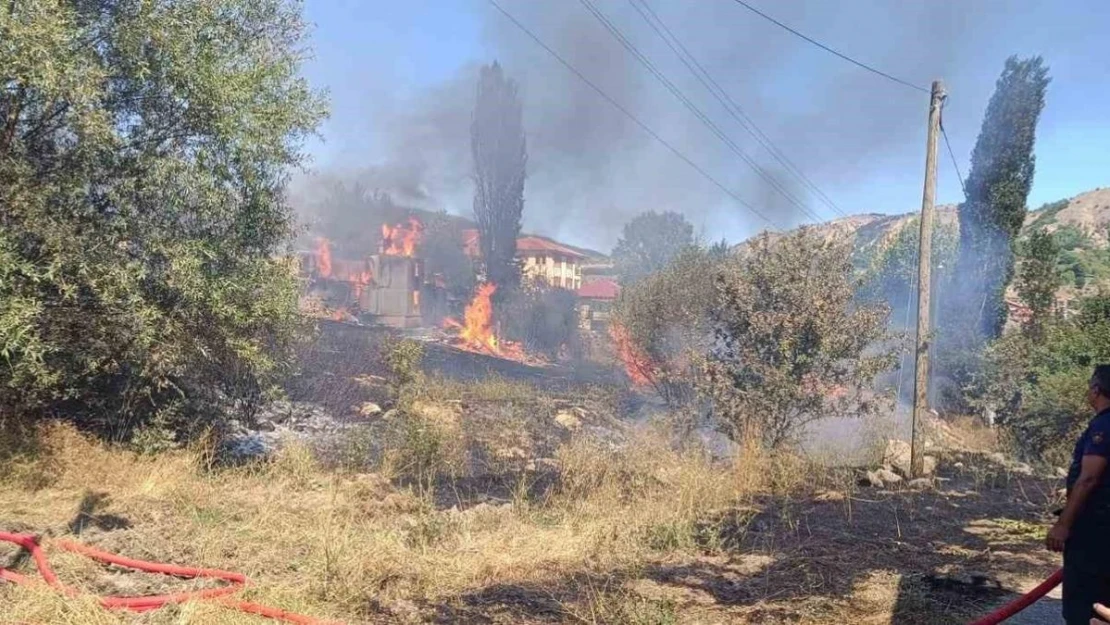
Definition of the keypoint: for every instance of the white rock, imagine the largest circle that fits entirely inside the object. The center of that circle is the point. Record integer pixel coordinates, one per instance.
(897, 455)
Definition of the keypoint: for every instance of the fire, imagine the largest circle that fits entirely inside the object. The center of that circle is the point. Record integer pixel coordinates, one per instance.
(401, 240)
(323, 257)
(637, 364)
(360, 281)
(476, 332)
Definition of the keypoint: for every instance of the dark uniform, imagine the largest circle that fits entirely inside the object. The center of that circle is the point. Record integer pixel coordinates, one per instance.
(1087, 550)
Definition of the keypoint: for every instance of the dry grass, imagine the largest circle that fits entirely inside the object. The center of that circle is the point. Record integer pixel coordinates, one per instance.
(642, 532)
(352, 546)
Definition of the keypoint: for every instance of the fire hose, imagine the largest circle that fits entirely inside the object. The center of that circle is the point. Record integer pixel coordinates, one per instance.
(236, 581)
(1022, 602)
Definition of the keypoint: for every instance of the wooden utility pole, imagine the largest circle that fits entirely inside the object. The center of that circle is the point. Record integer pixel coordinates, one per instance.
(924, 265)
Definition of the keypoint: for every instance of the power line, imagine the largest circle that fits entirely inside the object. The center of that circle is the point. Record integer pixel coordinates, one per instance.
(959, 176)
(734, 109)
(952, 155)
(828, 49)
(632, 117)
(709, 123)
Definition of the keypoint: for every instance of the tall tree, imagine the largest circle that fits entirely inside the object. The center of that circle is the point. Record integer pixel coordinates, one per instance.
(500, 158)
(1038, 280)
(144, 150)
(649, 242)
(1002, 167)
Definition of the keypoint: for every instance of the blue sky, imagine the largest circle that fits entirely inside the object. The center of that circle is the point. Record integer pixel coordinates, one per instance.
(400, 78)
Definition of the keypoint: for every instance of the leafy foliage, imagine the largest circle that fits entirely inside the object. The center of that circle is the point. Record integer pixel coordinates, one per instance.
(791, 343)
(649, 242)
(144, 149)
(1038, 279)
(544, 319)
(1038, 383)
(893, 268)
(666, 317)
(500, 156)
(1002, 167)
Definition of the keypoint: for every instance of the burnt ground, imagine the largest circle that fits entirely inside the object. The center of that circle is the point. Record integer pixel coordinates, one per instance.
(343, 352)
(944, 555)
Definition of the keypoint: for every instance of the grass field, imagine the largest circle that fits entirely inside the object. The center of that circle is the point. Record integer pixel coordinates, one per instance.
(644, 533)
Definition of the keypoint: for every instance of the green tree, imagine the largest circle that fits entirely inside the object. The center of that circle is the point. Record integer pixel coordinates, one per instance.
(893, 267)
(1038, 280)
(649, 242)
(500, 158)
(1038, 384)
(1002, 168)
(144, 150)
(792, 344)
(663, 323)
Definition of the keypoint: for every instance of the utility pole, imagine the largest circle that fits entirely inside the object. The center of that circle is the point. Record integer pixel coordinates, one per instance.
(924, 266)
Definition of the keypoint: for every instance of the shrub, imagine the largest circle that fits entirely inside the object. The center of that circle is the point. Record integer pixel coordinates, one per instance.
(142, 208)
(791, 344)
(403, 359)
(544, 319)
(662, 323)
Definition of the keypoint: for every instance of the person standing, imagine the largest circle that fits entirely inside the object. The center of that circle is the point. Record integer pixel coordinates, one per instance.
(1082, 532)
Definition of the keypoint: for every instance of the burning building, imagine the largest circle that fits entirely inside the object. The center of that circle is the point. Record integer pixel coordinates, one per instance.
(386, 286)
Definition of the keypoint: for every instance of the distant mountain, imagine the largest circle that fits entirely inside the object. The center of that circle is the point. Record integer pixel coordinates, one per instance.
(1081, 225)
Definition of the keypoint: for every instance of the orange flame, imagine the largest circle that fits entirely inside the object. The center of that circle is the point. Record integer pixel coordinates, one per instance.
(401, 240)
(476, 332)
(360, 282)
(637, 364)
(323, 257)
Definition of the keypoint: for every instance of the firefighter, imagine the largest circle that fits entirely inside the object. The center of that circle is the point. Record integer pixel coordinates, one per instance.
(1082, 532)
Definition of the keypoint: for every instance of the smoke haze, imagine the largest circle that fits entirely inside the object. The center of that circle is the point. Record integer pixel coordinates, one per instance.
(591, 169)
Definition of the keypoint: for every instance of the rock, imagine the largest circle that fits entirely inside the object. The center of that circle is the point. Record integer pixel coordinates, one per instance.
(897, 455)
(921, 483)
(888, 477)
(1061, 472)
(958, 465)
(997, 458)
(872, 479)
(928, 465)
(370, 409)
(568, 420)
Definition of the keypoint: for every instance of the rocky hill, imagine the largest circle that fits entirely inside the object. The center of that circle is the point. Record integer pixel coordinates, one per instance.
(1081, 225)
(1088, 212)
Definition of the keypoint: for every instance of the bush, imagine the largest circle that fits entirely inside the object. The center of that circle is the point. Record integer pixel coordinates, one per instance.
(544, 319)
(1038, 383)
(662, 322)
(142, 208)
(791, 344)
(403, 359)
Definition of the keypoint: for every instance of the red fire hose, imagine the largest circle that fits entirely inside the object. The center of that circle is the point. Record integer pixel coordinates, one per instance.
(1022, 602)
(236, 581)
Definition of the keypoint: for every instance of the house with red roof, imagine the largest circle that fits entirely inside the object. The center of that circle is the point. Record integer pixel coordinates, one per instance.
(541, 259)
(595, 303)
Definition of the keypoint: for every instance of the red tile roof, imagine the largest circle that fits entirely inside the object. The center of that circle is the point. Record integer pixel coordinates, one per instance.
(528, 244)
(599, 289)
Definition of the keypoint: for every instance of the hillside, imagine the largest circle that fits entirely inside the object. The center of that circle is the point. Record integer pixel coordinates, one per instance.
(1081, 225)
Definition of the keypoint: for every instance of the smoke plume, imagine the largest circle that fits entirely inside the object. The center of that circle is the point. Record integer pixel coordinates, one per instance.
(591, 169)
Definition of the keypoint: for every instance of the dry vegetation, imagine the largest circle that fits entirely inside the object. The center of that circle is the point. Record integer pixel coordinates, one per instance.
(637, 531)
